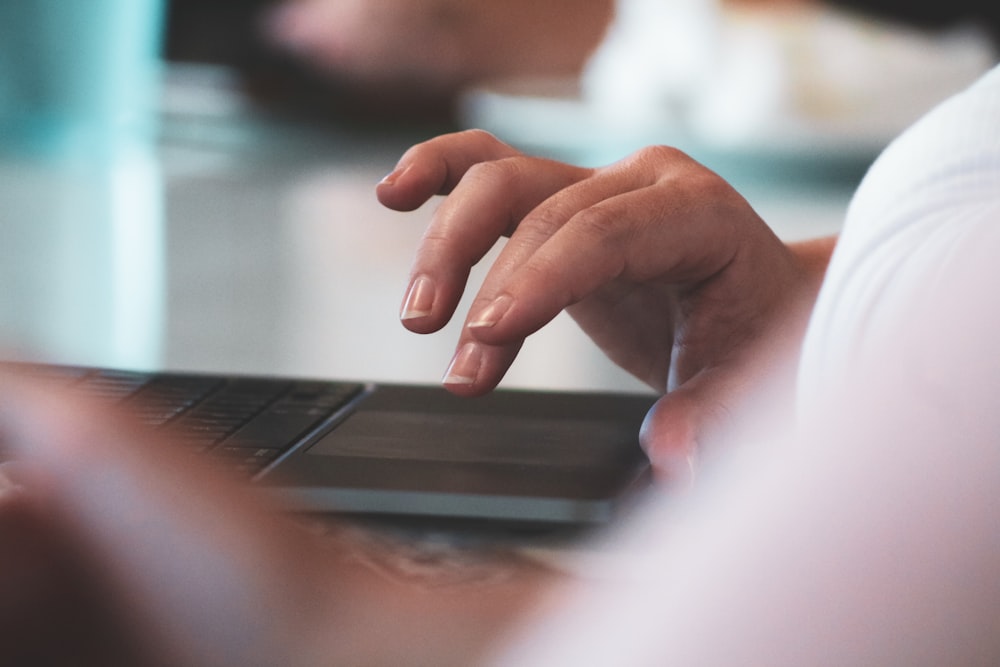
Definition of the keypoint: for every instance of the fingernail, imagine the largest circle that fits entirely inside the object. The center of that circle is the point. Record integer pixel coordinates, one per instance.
(464, 368)
(393, 176)
(492, 314)
(419, 300)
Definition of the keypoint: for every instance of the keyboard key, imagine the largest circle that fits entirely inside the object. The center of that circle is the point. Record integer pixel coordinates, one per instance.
(269, 428)
(246, 422)
(247, 461)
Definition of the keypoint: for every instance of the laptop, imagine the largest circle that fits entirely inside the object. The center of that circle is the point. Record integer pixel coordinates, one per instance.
(516, 458)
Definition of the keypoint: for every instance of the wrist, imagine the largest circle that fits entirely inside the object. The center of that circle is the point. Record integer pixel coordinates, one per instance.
(813, 256)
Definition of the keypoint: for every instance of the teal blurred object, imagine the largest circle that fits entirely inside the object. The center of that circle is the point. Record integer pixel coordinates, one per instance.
(76, 75)
(80, 192)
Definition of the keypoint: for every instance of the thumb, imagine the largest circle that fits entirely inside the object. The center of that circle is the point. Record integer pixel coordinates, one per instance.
(687, 422)
(720, 408)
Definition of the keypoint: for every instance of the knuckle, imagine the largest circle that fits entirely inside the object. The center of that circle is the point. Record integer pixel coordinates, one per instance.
(504, 179)
(501, 174)
(657, 157)
(478, 136)
(506, 169)
(435, 238)
(437, 149)
(661, 153)
(599, 222)
(473, 136)
(543, 222)
(657, 163)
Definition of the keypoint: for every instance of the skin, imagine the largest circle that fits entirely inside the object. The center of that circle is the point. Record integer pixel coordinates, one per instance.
(440, 45)
(876, 544)
(656, 257)
(659, 260)
(109, 557)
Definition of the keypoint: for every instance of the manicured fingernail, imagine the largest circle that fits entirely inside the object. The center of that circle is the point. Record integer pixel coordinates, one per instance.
(419, 300)
(464, 368)
(492, 313)
(393, 176)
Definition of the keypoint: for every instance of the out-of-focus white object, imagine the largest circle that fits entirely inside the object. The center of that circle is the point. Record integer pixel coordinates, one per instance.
(81, 196)
(655, 57)
(741, 78)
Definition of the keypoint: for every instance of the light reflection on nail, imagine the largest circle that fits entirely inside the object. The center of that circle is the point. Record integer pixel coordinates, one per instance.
(464, 368)
(419, 301)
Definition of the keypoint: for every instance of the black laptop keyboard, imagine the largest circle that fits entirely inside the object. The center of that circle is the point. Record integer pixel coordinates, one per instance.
(248, 423)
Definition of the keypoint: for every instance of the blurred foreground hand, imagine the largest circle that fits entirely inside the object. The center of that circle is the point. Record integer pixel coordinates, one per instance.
(117, 550)
(440, 44)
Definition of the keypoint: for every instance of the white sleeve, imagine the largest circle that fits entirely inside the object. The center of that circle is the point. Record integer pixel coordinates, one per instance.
(914, 217)
(875, 540)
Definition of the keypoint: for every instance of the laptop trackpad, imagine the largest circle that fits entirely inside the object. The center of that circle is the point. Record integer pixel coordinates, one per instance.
(478, 438)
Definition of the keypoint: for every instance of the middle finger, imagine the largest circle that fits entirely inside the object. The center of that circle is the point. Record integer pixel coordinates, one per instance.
(487, 204)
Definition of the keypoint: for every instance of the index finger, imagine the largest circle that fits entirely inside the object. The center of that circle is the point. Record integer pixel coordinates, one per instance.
(436, 166)
(487, 204)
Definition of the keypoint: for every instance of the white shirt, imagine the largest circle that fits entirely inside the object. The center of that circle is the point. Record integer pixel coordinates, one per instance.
(875, 539)
(928, 207)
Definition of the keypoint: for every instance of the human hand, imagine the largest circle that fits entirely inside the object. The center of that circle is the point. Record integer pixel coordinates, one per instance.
(119, 549)
(666, 267)
(441, 44)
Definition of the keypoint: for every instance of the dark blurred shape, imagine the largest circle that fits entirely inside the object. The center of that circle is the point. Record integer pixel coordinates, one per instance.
(935, 15)
(228, 33)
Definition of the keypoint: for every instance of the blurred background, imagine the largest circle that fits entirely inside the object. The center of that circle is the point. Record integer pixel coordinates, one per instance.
(189, 184)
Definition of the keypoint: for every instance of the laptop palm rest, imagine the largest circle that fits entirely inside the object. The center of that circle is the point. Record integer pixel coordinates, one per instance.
(525, 456)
